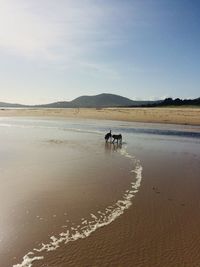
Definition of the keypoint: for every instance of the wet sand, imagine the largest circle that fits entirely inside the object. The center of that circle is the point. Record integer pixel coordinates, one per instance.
(52, 181)
(162, 226)
(186, 115)
(52, 178)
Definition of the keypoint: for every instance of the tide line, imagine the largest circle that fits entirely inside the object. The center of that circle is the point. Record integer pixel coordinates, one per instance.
(98, 220)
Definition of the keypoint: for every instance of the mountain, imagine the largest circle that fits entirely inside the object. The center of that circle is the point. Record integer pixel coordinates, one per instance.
(106, 100)
(102, 100)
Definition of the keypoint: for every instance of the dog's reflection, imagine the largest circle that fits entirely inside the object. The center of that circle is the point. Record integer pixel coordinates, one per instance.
(109, 147)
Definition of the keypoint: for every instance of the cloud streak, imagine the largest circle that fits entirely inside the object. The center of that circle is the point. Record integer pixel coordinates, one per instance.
(49, 30)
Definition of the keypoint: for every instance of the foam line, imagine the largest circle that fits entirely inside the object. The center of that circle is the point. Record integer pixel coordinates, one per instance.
(87, 227)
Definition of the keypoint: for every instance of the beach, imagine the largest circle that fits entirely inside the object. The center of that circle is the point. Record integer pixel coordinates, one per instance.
(99, 133)
(181, 115)
(70, 199)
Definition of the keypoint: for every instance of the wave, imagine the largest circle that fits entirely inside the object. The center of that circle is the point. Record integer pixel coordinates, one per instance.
(96, 221)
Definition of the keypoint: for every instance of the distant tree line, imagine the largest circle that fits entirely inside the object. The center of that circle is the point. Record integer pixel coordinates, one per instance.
(175, 102)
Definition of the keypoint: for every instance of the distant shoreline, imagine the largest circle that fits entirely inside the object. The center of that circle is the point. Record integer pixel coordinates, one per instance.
(169, 115)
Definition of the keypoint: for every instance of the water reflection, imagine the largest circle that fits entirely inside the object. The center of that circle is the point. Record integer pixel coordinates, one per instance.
(109, 147)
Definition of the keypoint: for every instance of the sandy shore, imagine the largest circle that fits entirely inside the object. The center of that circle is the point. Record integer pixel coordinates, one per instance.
(55, 181)
(190, 116)
(161, 228)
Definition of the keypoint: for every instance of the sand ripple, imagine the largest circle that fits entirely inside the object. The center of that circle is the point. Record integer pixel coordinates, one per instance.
(96, 221)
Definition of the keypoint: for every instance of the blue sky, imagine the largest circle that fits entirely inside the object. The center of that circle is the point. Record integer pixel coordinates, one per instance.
(53, 50)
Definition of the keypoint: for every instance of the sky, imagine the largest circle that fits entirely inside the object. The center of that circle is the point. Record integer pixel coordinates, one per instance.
(57, 50)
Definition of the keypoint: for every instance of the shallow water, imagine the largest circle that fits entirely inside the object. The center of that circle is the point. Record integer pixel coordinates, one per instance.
(60, 182)
(52, 179)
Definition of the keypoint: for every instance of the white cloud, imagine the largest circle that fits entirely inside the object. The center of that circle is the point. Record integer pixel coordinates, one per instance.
(63, 29)
(49, 29)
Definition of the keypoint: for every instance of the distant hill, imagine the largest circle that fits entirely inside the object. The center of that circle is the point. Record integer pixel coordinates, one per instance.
(107, 100)
(10, 105)
(102, 100)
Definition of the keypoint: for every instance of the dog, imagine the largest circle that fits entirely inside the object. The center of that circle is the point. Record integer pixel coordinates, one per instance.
(108, 136)
(117, 137)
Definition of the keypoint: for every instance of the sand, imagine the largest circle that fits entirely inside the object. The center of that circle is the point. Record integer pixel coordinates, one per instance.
(162, 226)
(50, 175)
(190, 116)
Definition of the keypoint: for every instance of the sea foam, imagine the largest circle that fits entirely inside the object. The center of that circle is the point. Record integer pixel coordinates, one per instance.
(96, 221)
